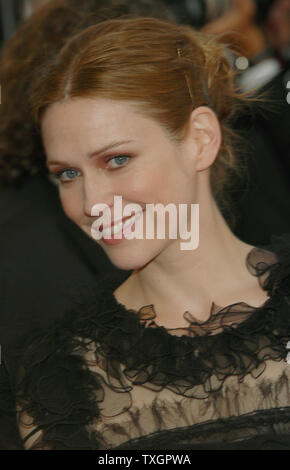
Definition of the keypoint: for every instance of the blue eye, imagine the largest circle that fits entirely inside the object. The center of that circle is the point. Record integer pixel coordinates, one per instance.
(119, 161)
(66, 175)
(69, 174)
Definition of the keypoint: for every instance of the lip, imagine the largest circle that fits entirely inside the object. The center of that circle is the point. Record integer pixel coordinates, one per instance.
(118, 221)
(116, 241)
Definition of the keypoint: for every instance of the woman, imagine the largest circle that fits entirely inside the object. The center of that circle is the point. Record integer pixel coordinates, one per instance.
(190, 351)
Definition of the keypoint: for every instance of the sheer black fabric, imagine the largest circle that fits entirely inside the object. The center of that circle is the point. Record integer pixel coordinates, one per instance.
(9, 437)
(105, 377)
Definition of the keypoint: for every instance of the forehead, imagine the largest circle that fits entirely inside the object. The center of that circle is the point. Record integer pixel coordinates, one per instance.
(85, 111)
(87, 121)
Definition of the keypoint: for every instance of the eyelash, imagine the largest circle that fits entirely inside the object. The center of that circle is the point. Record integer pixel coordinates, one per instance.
(119, 156)
(60, 173)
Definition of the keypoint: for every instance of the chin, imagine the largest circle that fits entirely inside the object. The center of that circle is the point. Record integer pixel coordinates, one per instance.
(133, 258)
(131, 262)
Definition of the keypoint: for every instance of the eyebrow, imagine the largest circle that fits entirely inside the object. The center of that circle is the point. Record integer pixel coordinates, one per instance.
(97, 152)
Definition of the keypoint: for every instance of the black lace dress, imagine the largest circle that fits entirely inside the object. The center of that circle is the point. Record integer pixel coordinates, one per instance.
(110, 378)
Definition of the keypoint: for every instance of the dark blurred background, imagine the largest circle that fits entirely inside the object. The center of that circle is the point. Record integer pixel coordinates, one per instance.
(194, 12)
(11, 13)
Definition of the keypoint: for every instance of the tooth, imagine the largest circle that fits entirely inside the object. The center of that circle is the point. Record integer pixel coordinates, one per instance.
(118, 227)
(112, 230)
(129, 221)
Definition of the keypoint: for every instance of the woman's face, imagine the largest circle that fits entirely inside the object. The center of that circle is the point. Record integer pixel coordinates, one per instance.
(99, 149)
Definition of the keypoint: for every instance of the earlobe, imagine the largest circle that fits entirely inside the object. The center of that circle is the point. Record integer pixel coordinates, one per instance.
(205, 130)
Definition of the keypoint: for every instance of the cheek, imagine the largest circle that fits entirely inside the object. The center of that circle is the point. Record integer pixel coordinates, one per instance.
(71, 204)
(141, 186)
(172, 184)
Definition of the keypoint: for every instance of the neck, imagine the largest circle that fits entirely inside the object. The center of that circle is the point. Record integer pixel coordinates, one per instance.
(191, 280)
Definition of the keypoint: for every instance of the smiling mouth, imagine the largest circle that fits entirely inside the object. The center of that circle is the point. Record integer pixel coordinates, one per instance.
(117, 227)
(102, 227)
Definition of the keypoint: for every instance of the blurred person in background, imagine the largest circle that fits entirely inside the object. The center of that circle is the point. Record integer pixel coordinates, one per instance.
(277, 28)
(45, 258)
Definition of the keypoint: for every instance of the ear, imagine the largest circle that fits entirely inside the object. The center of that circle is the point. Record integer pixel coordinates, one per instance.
(204, 129)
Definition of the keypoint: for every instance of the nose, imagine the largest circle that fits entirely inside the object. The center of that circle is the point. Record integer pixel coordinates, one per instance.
(97, 189)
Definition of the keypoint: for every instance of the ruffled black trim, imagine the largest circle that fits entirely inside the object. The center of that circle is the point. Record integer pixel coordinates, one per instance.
(61, 394)
(233, 433)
